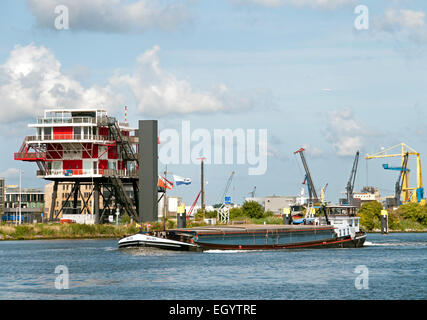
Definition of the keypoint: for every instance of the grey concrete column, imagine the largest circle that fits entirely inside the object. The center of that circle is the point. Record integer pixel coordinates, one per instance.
(96, 202)
(148, 170)
(53, 201)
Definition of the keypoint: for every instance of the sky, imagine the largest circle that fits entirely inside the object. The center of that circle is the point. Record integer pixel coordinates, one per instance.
(326, 75)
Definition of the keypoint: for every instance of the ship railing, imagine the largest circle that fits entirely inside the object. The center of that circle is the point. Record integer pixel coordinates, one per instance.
(29, 155)
(80, 172)
(120, 173)
(69, 137)
(60, 120)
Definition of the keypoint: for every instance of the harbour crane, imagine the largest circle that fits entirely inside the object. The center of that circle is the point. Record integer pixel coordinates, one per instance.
(311, 189)
(252, 193)
(227, 186)
(323, 193)
(352, 179)
(403, 172)
(408, 194)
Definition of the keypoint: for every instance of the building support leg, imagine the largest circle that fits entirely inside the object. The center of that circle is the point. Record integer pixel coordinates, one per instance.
(96, 202)
(135, 195)
(76, 197)
(53, 202)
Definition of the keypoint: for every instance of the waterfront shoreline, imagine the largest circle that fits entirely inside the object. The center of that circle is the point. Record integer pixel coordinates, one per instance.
(43, 231)
(89, 232)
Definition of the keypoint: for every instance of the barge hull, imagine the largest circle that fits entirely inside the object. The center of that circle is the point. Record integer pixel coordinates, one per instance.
(266, 238)
(339, 243)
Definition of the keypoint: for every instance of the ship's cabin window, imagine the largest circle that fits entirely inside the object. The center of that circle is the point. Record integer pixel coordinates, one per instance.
(77, 131)
(47, 132)
(84, 114)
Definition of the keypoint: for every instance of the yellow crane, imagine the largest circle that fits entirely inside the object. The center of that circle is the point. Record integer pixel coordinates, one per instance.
(408, 194)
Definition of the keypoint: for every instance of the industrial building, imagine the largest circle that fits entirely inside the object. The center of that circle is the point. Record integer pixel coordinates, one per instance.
(2, 196)
(89, 150)
(276, 204)
(31, 201)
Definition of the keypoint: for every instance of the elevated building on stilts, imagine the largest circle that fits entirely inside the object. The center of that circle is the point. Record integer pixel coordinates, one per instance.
(95, 154)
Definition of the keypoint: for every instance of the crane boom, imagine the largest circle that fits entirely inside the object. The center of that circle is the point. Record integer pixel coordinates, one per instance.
(230, 179)
(352, 179)
(312, 190)
(387, 167)
(252, 193)
(406, 191)
(399, 183)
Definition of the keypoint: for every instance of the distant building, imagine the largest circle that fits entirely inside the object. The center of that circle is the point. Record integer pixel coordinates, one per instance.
(173, 203)
(367, 194)
(276, 204)
(2, 196)
(32, 204)
(64, 192)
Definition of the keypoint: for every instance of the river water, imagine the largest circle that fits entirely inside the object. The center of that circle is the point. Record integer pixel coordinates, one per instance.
(390, 266)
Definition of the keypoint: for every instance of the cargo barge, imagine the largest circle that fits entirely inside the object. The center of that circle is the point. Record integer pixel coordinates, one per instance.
(339, 231)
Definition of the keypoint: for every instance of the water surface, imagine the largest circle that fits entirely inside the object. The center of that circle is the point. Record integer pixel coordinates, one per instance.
(397, 265)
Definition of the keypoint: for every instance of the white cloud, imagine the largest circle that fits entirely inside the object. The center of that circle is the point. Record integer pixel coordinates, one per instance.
(344, 133)
(10, 173)
(157, 92)
(325, 4)
(402, 25)
(314, 152)
(274, 152)
(31, 80)
(113, 15)
(398, 19)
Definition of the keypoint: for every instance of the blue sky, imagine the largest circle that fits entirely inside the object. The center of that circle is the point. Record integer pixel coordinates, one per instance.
(299, 69)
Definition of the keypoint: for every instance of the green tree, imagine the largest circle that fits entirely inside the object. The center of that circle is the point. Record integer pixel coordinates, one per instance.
(236, 213)
(370, 215)
(252, 209)
(211, 214)
(414, 212)
(199, 214)
(268, 213)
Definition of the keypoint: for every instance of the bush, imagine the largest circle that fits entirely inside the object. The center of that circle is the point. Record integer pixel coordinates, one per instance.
(23, 231)
(267, 220)
(171, 224)
(268, 214)
(199, 214)
(413, 212)
(126, 219)
(211, 214)
(252, 209)
(370, 215)
(236, 213)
